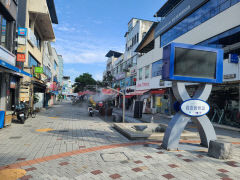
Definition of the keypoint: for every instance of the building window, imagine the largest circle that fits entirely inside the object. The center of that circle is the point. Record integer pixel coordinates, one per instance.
(202, 14)
(4, 31)
(32, 61)
(55, 65)
(47, 72)
(140, 74)
(157, 68)
(38, 39)
(147, 71)
(144, 34)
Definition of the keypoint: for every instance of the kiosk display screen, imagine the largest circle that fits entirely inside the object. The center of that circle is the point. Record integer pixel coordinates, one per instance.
(195, 63)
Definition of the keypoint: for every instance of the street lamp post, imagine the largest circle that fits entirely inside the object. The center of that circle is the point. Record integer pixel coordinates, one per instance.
(123, 112)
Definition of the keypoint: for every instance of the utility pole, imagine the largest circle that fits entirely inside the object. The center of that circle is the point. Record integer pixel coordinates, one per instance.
(123, 111)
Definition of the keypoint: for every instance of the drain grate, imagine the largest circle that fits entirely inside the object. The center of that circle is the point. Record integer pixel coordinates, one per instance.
(63, 131)
(15, 137)
(114, 157)
(99, 134)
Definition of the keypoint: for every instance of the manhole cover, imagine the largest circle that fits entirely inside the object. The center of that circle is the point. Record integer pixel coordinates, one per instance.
(15, 137)
(113, 157)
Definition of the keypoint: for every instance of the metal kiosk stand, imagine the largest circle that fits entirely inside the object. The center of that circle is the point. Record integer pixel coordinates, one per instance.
(194, 108)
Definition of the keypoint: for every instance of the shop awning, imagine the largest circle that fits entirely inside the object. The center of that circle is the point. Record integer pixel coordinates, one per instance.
(158, 91)
(128, 96)
(13, 68)
(86, 92)
(137, 93)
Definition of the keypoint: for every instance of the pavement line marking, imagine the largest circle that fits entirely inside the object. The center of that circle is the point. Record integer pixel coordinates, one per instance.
(82, 151)
(44, 130)
(12, 174)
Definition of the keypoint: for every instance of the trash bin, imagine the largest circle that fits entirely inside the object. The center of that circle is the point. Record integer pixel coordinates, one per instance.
(138, 109)
(2, 116)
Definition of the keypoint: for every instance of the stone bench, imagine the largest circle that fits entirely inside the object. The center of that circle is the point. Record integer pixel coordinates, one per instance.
(220, 149)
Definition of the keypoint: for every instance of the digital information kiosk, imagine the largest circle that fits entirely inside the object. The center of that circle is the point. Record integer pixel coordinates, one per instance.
(190, 63)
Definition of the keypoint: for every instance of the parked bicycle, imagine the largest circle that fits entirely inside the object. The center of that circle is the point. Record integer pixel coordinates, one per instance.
(31, 112)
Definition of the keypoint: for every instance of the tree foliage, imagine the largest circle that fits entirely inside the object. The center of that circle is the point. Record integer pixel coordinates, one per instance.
(108, 79)
(84, 82)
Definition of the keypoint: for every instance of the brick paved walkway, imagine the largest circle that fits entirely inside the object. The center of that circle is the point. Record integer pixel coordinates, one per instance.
(71, 145)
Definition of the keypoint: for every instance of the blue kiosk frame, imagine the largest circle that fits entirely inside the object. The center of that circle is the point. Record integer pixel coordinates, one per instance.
(180, 120)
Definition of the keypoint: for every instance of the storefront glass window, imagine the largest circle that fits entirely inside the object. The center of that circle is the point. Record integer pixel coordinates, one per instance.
(207, 11)
(157, 68)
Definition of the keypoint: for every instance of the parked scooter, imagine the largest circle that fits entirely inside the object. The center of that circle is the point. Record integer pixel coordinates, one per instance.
(21, 111)
(90, 111)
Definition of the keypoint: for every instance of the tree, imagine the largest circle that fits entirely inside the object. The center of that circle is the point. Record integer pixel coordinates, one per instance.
(83, 82)
(108, 79)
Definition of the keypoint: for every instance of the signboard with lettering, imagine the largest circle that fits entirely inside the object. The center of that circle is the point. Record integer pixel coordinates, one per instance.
(229, 76)
(22, 31)
(39, 70)
(233, 58)
(195, 107)
(21, 57)
(21, 40)
(21, 49)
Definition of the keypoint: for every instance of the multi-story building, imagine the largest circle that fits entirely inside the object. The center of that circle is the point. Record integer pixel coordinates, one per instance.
(60, 69)
(9, 74)
(112, 58)
(124, 66)
(67, 86)
(137, 29)
(211, 23)
(37, 17)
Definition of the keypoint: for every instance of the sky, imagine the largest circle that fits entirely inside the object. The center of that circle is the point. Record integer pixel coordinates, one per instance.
(88, 29)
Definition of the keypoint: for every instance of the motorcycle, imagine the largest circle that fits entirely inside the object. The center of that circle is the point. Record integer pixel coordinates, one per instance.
(21, 111)
(90, 111)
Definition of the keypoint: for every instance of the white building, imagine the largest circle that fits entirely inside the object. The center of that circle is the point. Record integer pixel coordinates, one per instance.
(213, 23)
(67, 86)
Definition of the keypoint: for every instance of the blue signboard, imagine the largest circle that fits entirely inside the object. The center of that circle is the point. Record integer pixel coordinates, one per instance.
(191, 63)
(22, 31)
(233, 58)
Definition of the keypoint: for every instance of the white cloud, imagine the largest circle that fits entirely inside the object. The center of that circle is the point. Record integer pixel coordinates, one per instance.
(86, 50)
(77, 45)
(98, 76)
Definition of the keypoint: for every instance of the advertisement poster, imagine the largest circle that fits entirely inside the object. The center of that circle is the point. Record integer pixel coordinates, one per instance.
(21, 57)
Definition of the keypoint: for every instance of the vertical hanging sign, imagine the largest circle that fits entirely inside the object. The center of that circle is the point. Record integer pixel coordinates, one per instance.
(21, 50)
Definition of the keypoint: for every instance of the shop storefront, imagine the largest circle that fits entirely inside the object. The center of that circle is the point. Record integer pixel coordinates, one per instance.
(10, 77)
(157, 97)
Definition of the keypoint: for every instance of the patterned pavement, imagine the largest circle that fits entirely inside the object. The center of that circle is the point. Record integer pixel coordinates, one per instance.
(65, 143)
